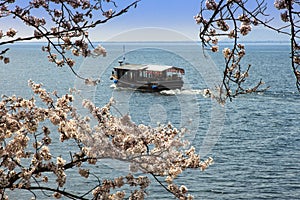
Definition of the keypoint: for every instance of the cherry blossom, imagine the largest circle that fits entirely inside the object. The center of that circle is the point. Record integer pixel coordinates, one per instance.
(27, 151)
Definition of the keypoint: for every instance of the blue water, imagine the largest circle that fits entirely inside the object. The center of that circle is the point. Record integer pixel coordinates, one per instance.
(254, 140)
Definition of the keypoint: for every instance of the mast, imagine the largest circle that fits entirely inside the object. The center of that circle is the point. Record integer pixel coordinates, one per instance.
(123, 53)
(122, 62)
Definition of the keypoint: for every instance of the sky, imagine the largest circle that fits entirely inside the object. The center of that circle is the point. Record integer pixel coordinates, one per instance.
(159, 20)
(170, 16)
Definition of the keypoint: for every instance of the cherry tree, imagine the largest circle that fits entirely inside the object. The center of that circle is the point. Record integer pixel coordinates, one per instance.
(235, 19)
(64, 25)
(28, 163)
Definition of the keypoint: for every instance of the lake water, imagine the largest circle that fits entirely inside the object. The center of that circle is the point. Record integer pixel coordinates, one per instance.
(254, 140)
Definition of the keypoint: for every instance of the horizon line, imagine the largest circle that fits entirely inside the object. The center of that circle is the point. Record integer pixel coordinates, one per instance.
(162, 41)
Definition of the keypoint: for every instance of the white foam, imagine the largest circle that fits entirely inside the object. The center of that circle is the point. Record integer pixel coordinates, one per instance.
(204, 92)
(113, 85)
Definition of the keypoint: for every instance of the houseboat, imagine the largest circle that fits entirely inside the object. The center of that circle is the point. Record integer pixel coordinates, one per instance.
(147, 77)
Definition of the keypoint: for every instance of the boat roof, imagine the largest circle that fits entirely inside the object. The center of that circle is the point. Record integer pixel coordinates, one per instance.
(151, 67)
(158, 68)
(131, 67)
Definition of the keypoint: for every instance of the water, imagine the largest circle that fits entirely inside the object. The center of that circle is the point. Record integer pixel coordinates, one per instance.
(254, 140)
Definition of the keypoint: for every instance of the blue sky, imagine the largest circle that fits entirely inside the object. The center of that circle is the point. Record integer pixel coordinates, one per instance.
(164, 17)
(173, 15)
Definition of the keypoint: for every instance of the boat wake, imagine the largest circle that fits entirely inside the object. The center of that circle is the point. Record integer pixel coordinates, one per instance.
(204, 92)
(113, 86)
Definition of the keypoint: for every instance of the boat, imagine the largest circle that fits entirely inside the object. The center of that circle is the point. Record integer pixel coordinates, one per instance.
(147, 77)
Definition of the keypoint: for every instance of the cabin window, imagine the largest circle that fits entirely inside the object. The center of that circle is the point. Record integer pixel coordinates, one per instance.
(131, 75)
(173, 75)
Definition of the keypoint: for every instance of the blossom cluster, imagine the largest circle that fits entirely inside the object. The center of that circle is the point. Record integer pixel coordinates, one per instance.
(211, 4)
(27, 140)
(230, 25)
(150, 150)
(281, 4)
(10, 33)
(102, 191)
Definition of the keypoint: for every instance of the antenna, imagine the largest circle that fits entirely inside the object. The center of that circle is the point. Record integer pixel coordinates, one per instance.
(122, 62)
(124, 53)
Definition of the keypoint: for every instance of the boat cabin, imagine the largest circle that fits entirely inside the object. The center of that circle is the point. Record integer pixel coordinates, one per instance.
(148, 77)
